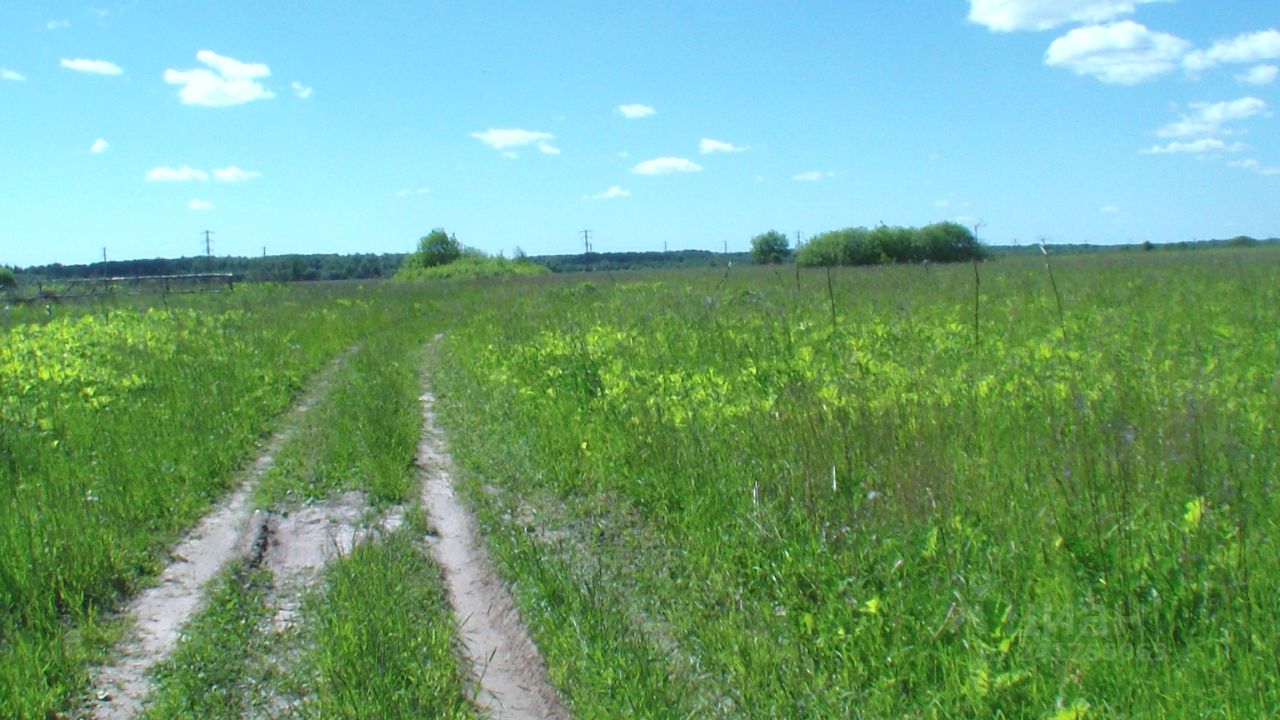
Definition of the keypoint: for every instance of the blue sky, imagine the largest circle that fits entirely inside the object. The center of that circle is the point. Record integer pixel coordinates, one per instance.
(359, 127)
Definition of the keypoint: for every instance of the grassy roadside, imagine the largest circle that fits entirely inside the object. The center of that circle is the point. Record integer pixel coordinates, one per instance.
(860, 512)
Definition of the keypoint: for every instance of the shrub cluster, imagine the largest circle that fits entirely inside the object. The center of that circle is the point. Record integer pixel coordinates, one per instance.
(940, 242)
(440, 256)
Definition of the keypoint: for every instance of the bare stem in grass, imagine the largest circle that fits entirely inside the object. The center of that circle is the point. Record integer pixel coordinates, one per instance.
(977, 283)
(831, 296)
(1062, 321)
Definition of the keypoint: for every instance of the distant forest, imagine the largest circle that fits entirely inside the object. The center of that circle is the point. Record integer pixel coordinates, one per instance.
(292, 268)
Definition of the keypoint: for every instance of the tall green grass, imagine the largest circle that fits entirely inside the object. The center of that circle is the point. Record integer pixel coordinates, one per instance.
(868, 515)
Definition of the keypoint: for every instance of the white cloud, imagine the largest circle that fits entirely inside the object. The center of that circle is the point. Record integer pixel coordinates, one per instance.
(1010, 15)
(613, 192)
(55, 24)
(1202, 145)
(1122, 53)
(406, 192)
(666, 165)
(1207, 118)
(1259, 75)
(632, 112)
(200, 205)
(301, 90)
(231, 174)
(812, 176)
(182, 174)
(1255, 166)
(706, 146)
(99, 146)
(233, 83)
(1109, 210)
(12, 75)
(505, 139)
(96, 67)
(1246, 48)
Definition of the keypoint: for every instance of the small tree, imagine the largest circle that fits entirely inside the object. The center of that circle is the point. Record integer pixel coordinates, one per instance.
(8, 280)
(771, 247)
(437, 248)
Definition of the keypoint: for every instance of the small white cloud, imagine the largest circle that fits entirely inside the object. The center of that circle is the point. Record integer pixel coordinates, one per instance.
(1259, 75)
(200, 205)
(1202, 145)
(1011, 15)
(99, 146)
(1122, 53)
(301, 90)
(508, 138)
(665, 166)
(812, 176)
(56, 24)
(12, 75)
(231, 174)
(1246, 48)
(1109, 210)
(624, 154)
(230, 82)
(182, 174)
(1255, 166)
(1207, 118)
(406, 192)
(635, 111)
(611, 193)
(95, 67)
(706, 146)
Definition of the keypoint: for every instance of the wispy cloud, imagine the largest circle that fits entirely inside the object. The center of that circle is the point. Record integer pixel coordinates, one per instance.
(1203, 145)
(1259, 75)
(1121, 53)
(635, 111)
(183, 174)
(611, 193)
(1255, 166)
(507, 138)
(813, 175)
(1109, 210)
(666, 166)
(1011, 15)
(56, 24)
(1246, 48)
(95, 67)
(1207, 119)
(406, 192)
(233, 174)
(99, 146)
(225, 82)
(200, 205)
(301, 90)
(12, 75)
(706, 146)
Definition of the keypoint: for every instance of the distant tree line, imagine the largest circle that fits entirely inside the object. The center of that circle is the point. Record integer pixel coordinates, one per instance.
(617, 261)
(274, 268)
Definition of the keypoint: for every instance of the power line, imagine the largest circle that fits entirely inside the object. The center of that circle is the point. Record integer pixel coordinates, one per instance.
(208, 243)
(586, 241)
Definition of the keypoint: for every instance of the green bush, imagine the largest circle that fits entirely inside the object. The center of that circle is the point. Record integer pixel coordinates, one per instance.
(769, 248)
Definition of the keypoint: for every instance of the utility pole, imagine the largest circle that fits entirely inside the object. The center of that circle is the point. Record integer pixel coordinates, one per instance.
(726, 247)
(264, 251)
(208, 243)
(664, 247)
(104, 254)
(798, 240)
(586, 241)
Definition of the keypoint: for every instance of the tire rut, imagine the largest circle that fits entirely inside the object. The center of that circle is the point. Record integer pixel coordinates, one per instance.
(159, 612)
(511, 677)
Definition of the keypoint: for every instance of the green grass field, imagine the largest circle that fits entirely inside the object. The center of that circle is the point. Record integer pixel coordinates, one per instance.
(752, 493)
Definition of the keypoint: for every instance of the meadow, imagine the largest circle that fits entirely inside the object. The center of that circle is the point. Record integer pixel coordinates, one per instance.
(752, 492)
